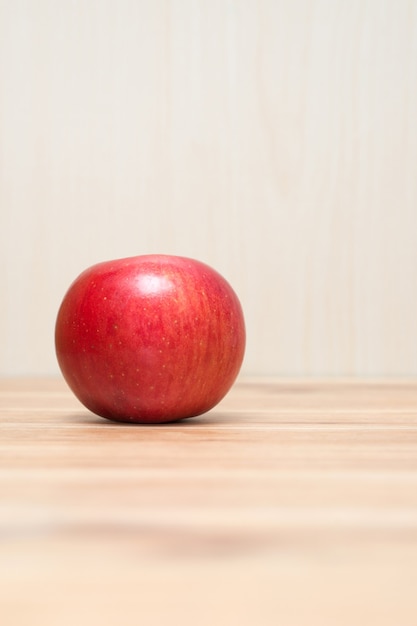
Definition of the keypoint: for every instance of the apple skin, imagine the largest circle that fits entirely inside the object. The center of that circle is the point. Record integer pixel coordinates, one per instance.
(150, 339)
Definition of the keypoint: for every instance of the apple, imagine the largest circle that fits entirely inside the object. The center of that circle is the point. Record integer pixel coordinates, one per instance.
(150, 339)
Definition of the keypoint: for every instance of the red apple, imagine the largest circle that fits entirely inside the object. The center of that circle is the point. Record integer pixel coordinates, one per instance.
(150, 339)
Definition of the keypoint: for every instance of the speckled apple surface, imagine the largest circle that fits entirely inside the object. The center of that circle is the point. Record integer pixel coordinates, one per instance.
(153, 338)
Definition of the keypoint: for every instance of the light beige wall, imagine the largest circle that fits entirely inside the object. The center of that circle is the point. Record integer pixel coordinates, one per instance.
(274, 139)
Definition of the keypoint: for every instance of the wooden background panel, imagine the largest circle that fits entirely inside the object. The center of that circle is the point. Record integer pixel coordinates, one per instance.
(275, 140)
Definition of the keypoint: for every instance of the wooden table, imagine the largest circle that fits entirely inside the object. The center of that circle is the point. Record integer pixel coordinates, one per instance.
(293, 503)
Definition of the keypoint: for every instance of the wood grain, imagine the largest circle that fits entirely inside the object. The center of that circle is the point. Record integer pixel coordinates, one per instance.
(274, 139)
(293, 501)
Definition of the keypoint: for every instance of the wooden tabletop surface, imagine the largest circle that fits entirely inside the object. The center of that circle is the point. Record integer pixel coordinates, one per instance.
(294, 502)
